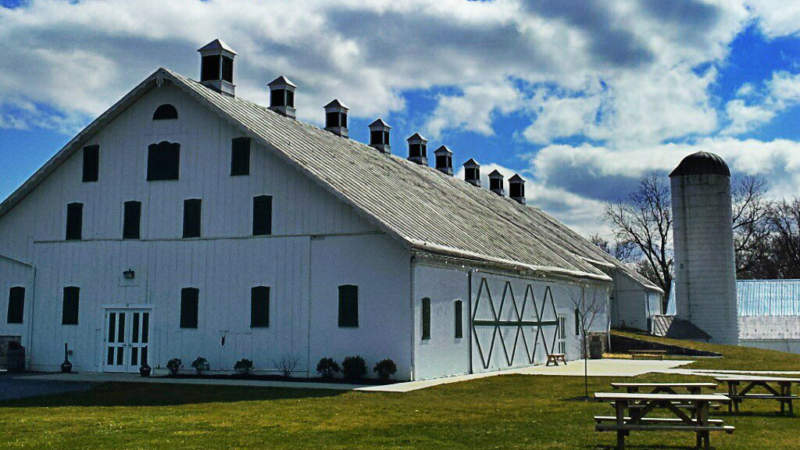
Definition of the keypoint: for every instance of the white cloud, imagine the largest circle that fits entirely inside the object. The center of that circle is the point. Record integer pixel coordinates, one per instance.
(779, 93)
(474, 109)
(776, 17)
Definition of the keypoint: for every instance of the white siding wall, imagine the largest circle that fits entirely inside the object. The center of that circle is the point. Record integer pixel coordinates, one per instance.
(14, 274)
(630, 303)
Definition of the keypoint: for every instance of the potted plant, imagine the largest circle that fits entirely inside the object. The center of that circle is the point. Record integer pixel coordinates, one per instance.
(385, 369)
(200, 365)
(144, 370)
(66, 366)
(243, 366)
(174, 365)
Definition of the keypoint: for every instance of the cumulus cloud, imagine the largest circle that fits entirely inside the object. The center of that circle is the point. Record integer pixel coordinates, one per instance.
(757, 107)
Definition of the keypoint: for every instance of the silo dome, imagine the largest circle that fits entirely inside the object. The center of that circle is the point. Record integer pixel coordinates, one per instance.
(701, 163)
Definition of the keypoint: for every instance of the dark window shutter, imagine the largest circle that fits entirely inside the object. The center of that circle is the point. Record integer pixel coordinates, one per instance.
(192, 211)
(163, 161)
(91, 163)
(262, 215)
(16, 305)
(259, 307)
(74, 221)
(240, 156)
(459, 319)
(348, 306)
(189, 306)
(227, 69)
(426, 318)
(69, 312)
(290, 99)
(210, 69)
(132, 220)
(577, 322)
(165, 112)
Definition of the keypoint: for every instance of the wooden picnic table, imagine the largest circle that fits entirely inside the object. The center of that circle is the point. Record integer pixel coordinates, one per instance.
(636, 420)
(665, 388)
(555, 358)
(783, 393)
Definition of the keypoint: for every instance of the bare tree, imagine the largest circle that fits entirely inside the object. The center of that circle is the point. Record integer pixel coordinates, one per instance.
(621, 250)
(751, 227)
(589, 303)
(784, 221)
(644, 219)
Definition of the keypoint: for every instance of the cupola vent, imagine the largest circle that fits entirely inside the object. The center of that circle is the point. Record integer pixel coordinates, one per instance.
(216, 67)
(516, 188)
(336, 118)
(496, 182)
(418, 149)
(379, 136)
(444, 160)
(281, 96)
(472, 172)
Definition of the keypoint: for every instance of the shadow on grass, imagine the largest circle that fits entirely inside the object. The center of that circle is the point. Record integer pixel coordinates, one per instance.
(154, 394)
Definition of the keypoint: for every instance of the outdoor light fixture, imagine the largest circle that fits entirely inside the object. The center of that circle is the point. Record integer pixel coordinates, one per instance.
(129, 274)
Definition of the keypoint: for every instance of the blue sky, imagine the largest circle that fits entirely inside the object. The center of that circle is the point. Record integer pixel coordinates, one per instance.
(582, 98)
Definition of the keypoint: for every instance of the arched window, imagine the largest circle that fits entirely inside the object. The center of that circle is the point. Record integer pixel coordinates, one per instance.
(165, 112)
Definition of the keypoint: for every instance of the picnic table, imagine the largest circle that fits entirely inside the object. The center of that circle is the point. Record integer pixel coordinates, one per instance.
(629, 418)
(647, 352)
(665, 388)
(555, 358)
(783, 392)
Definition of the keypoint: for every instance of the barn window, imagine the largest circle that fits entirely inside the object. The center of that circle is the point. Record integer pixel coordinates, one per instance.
(577, 322)
(132, 220)
(240, 156)
(227, 69)
(163, 161)
(74, 221)
(210, 68)
(91, 163)
(69, 311)
(165, 112)
(189, 303)
(426, 318)
(259, 307)
(348, 306)
(16, 305)
(192, 209)
(262, 215)
(459, 319)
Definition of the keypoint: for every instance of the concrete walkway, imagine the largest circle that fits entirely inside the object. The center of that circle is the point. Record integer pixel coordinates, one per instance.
(597, 368)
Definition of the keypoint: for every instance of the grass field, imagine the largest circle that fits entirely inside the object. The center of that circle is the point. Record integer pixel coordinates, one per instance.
(502, 411)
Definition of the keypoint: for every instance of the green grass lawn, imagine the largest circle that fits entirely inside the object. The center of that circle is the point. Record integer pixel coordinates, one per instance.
(502, 411)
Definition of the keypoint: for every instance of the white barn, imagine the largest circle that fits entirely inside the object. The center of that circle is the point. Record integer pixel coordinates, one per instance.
(186, 221)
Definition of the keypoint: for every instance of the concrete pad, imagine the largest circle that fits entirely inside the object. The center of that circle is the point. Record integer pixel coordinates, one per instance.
(134, 378)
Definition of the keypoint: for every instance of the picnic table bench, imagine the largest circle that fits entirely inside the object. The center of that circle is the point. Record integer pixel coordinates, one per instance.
(647, 352)
(783, 393)
(636, 419)
(555, 358)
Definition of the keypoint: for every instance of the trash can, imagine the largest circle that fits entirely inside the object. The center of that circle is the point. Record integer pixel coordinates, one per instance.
(15, 357)
(595, 347)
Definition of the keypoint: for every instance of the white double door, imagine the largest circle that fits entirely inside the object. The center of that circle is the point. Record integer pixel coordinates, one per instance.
(127, 338)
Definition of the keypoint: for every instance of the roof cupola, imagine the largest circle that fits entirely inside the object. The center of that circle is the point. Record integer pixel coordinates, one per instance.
(472, 172)
(418, 149)
(516, 188)
(496, 182)
(379, 136)
(444, 160)
(336, 117)
(216, 67)
(281, 96)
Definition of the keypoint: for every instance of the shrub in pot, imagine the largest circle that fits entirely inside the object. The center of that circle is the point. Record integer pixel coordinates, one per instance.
(243, 366)
(327, 368)
(174, 365)
(144, 370)
(385, 369)
(200, 365)
(354, 368)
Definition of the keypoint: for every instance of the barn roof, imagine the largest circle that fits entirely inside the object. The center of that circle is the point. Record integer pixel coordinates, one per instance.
(425, 209)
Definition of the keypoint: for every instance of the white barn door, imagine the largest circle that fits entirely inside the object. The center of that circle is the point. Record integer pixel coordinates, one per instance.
(127, 338)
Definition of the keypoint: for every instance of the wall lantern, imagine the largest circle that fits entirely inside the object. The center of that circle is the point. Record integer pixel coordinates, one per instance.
(129, 274)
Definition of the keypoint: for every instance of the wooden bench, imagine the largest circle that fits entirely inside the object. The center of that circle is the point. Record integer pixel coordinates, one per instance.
(644, 352)
(555, 358)
(639, 405)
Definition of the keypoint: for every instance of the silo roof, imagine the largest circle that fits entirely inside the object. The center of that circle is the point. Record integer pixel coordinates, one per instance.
(701, 163)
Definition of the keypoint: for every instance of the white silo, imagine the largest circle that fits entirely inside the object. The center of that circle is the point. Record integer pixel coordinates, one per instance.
(705, 272)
